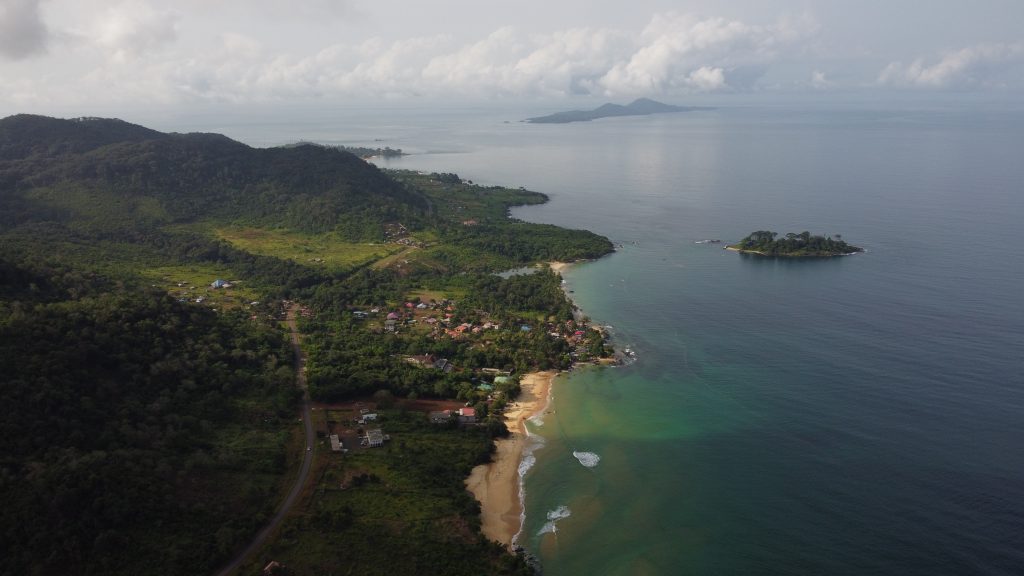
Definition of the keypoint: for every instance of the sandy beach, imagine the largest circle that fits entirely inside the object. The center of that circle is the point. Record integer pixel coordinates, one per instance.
(496, 485)
(559, 266)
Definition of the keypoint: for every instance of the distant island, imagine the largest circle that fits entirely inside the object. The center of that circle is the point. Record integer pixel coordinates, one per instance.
(639, 107)
(802, 245)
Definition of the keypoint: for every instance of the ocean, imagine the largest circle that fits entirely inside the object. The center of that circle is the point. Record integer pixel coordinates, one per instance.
(855, 415)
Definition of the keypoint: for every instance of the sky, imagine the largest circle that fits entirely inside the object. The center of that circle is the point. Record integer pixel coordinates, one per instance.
(88, 55)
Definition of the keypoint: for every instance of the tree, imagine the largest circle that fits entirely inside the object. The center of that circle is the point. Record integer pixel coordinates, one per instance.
(384, 399)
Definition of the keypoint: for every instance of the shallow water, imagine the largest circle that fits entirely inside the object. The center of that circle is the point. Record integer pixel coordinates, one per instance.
(856, 415)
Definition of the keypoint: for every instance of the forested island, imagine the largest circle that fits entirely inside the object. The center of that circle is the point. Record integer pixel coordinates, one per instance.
(150, 410)
(793, 245)
(638, 107)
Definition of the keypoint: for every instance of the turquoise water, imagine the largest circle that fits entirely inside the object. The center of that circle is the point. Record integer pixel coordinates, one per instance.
(858, 415)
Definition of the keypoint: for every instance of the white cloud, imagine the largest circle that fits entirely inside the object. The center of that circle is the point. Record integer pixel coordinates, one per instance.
(133, 28)
(819, 81)
(982, 65)
(22, 31)
(672, 55)
(683, 52)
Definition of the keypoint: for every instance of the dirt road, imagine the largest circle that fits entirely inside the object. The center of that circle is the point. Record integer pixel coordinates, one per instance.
(307, 455)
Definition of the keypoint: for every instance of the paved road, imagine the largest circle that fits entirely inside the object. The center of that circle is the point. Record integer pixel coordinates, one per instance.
(307, 455)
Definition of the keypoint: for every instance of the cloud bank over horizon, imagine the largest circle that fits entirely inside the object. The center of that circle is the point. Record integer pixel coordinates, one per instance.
(53, 52)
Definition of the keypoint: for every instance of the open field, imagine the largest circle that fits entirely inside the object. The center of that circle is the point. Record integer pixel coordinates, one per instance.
(192, 282)
(319, 250)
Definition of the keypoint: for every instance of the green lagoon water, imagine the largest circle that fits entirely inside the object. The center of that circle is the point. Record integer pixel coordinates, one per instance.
(857, 415)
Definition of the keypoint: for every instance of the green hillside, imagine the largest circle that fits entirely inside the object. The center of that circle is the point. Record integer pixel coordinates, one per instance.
(149, 416)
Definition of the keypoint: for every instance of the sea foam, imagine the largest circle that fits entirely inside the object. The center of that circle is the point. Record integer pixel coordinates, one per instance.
(588, 459)
(554, 516)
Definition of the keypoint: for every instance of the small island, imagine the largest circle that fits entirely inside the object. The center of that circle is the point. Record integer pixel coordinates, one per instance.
(639, 107)
(802, 245)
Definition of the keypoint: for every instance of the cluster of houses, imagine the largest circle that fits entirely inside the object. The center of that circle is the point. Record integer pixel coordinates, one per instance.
(430, 361)
(463, 415)
(371, 438)
(397, 233)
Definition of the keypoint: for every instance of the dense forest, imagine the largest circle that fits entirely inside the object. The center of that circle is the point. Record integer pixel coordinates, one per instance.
(128, 417)
(765, 243)
(146, 430)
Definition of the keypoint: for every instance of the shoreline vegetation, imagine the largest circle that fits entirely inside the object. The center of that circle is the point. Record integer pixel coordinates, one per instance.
(498, 484)
(793, 245)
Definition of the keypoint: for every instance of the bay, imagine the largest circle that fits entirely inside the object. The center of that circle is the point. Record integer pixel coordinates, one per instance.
(845, 416)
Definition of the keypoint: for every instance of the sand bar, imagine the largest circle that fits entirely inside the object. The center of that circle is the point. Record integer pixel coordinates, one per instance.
(496, 485)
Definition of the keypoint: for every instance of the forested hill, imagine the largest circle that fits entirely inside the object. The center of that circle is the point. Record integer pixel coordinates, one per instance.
(72, 167)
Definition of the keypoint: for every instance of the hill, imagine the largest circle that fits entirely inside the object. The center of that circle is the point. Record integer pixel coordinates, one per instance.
(639, 107)
(64, 169)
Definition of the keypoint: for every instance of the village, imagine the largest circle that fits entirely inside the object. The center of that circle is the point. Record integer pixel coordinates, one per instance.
(441, 319)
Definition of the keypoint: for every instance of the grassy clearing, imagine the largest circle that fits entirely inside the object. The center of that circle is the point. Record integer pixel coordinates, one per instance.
(192, 282)
(428, 295)
(326, 250)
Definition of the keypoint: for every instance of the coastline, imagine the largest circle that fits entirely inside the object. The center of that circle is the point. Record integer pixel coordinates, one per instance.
(497, 484)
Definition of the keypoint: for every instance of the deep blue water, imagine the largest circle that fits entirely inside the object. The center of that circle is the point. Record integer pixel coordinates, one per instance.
(858, 415)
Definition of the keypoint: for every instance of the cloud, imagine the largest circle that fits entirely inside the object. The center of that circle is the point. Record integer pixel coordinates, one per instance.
(683, 52)
(819, 81)
(672, 55)
(983, 65)
(133, 54)
(22, 31)
(133, 28)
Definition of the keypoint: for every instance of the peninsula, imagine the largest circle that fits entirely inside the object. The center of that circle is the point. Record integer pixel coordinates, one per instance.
(639, 107)
(280, 359)
(802, 245)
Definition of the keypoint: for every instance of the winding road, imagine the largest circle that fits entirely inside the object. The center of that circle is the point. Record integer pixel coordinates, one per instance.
(307, 456)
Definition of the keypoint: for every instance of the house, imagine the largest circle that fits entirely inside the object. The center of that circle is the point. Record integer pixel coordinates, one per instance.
(421, 306)
(496, 371)
(389, 325)
(336, 444)
(423, 360)
(441, 417)
(374, 438)
(393, 316)
(360, 314)
(218, 283)
(444, 365)
(502, 379)
(467, 415)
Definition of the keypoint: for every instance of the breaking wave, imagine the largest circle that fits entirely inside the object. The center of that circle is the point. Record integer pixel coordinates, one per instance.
(554, 516)
(588, 459)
